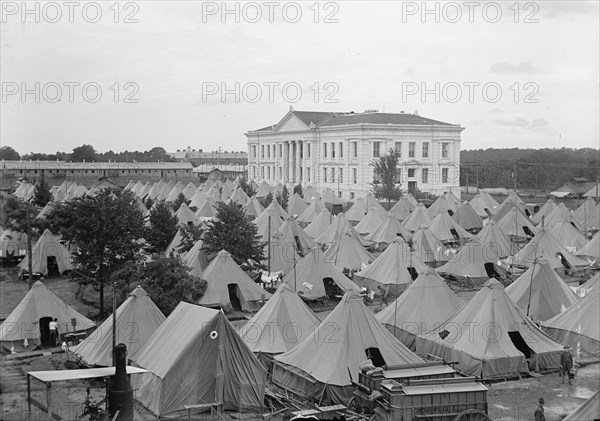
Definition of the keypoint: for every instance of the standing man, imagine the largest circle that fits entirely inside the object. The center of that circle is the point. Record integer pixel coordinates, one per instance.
(53, 326)
(566, 364)
(539, 415)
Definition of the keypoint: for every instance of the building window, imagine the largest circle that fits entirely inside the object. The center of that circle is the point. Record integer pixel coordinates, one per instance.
(268, 151)
(425, 149)
(355, 147)
(444, 150)
(376, 148)
(253, 151)
(398, 149)
(262, 151)
(262, 172)
(444, 175)
(324, 150)
(354, 176)
(411, 173)
(333, 150)
(269, 172)
(325, 174)
(424, 174)
(333, 175)
(341, 175)
(280, 150)
(308, 175)
(341, 150)
(351, 195)
(339, 194)
(411, 149)
(308, 150)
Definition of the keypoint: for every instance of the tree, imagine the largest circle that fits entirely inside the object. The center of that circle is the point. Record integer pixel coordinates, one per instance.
(158, 154)
(148, 203)
(298, 189)
(247, 187)
(84, 153)
(106, 228)
(9, 154)
(232, 232)
(15, 214)
(190, 235)
(162, 229)
(179, 200)
(284, 197)
(166, 280)
(385, 170)
(42, 194)
(267, 200)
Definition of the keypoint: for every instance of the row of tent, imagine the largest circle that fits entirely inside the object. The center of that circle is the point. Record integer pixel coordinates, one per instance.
(196, 356)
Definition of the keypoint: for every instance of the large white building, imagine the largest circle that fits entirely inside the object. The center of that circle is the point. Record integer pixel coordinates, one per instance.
(336, 151)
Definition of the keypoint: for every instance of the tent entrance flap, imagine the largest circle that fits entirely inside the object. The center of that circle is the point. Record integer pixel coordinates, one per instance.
(45, 330)
(520, 343)
(375, 356)
(52, 265)
(490, 270)
(233, 296)
(331, 288)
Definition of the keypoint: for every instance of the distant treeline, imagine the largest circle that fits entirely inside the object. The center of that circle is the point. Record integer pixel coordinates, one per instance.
(87, 153)
(540, 169)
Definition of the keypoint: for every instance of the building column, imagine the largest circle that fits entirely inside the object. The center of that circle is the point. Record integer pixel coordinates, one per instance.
(299, 146)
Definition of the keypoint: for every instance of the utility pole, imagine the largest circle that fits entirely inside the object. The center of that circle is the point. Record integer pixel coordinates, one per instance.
(29, 252)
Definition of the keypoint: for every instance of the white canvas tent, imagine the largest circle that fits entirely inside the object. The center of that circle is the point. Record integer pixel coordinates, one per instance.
(197, 357)
(137, 319)
(47, 246)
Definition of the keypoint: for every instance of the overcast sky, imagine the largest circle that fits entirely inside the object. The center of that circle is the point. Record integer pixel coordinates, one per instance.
(155, 76)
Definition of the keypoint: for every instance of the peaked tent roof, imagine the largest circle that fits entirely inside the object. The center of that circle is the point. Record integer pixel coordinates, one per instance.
(544, 245)
(311, 270)
(540, 293)
(355, 329)
(567, 235)
(593, 192)
(137, 319)
(482, 201)
(194, 357)
(264, 189)
(296, 205)
(441, 204)
(588, 215)
(319, 224)
(470, 260)
(391, 266)
(47, 246)
(281, 324)
(280, 254)
(427, 247)
(371, 202)
(291, 233)
(339, 225)
(505, 207)
(561, 212)
(39, 302)
(388, 231)
(196, 259)
(492, 236)
(185, 215)
(592, 248)
(579, 325)
(425, 304)
(348, 253)
(514, 223)
(371, 221)
(419, 216)
(220, 273)
(198, 198)
(267, 222)
(467, 217)
(492, 354)
(442, 226)
(543, 212)
(357, 211)
(402, 208)
(311, 212)
(310, 193)
(253, 208)
(206, 210)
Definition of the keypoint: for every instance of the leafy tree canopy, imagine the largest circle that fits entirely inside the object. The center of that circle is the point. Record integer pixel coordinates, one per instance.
(9, 154)
(83, 153)
(232, 232)
(106, 228)
(166, 280)
(42, 194)
(385, 170)
(162, 229)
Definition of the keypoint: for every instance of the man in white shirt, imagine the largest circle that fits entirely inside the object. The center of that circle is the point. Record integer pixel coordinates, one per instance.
(53, 326)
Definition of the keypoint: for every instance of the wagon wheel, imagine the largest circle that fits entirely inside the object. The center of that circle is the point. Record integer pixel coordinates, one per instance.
(354, 407)
(472, 415)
